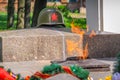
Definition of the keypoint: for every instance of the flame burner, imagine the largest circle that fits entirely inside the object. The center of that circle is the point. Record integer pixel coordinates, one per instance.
(89, 64)
(76, 58)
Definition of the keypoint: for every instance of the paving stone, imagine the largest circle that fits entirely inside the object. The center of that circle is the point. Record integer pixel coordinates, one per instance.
(63, 76)
(29, 69)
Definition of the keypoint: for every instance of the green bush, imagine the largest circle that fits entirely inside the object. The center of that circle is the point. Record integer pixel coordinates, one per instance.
(68, 19)
(3, 22)
(65, 12)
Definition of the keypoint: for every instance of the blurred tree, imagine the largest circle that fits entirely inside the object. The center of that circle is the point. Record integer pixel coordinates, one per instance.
(39, 5)
(10, 12)
(20, 14)
(27, 13)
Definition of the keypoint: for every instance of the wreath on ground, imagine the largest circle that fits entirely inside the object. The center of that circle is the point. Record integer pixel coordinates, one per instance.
(48, 71)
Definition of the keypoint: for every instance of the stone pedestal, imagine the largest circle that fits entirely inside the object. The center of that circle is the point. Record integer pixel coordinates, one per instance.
(34, 44)
(103, 45)
(50, 44)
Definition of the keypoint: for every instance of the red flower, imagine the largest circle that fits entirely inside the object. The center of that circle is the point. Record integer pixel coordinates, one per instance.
(4, 75)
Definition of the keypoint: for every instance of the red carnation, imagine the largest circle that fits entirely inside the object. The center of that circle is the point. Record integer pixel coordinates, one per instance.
(4, 75)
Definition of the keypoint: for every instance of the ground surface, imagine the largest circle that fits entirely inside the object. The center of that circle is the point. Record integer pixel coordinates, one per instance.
(30, 67)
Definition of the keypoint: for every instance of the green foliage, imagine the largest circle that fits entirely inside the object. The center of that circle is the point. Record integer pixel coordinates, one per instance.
(62, 8)
(52, 69)
(80, 72)
(34, 78)
(76, 11)
(76, 70)
(117, 64)
(66, 14)
(68, 19)
(3, 22)
(80, 22)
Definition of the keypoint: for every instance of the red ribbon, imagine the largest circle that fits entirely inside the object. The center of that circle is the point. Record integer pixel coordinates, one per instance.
(41, 75)
(67, 69)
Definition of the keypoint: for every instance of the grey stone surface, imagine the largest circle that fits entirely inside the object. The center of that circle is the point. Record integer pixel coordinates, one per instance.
(102, 74)
(86, 64)
(50, 44)
(63, 76)
(103, 45)
(34, 44)
(26, 68)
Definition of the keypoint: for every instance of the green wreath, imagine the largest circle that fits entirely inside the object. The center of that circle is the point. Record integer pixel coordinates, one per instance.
(54, 69)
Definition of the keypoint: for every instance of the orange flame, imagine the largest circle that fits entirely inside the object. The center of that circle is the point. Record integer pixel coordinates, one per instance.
(92, 34)
(76, 29)
(71, 46)
(74, 47)
(85, 52)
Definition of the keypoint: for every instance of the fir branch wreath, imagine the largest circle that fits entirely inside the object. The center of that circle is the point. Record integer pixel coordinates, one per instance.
(48, 71)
